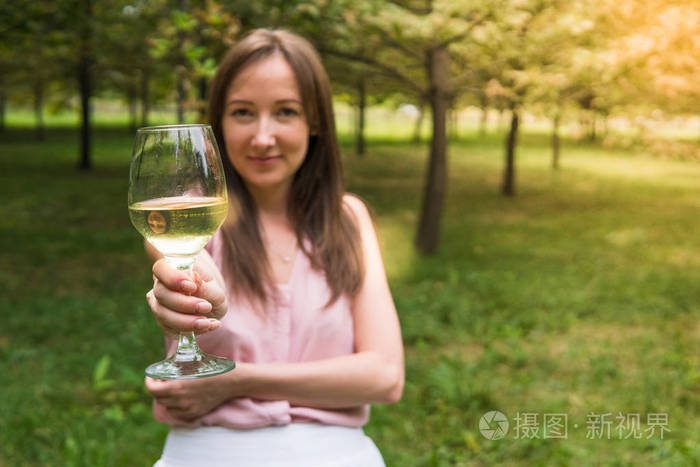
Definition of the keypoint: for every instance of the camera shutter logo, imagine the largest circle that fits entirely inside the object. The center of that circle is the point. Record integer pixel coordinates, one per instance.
(493, 425)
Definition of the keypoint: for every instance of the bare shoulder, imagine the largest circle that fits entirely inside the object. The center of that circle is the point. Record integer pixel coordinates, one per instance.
(358, 208)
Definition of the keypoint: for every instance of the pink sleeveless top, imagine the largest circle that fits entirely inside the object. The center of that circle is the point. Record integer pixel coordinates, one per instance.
(294, 328)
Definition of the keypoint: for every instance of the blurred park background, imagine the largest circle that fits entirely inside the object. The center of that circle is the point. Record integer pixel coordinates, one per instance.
(535, 170)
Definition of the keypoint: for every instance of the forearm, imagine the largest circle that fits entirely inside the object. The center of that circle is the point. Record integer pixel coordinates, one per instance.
(345, 381)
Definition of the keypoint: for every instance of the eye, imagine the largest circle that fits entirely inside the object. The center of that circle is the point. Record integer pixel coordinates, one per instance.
(288, 112)
(241, 112)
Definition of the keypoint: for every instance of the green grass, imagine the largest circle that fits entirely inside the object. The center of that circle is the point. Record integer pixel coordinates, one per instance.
(578, 296)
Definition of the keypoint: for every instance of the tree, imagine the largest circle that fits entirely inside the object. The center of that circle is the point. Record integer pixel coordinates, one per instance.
(333, 28)
(640, 56)
(190, 39)
(128, 62)
(29, 57)
(659, 40)
(533, 42)
(414, 42)
(58, 42)
(5, 64)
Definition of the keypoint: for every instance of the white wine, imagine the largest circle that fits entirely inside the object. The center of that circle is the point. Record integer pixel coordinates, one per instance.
(178, 225)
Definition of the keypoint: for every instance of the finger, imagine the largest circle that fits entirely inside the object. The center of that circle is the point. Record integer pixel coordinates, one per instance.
(182, 414)
(180, 322)
(212, 292)
(168, 332)
(174, 403)
(202, 273)
(158, 388)
(178, 301)
(169, 402)
(172, 278)
(165, 395)
(174, 322)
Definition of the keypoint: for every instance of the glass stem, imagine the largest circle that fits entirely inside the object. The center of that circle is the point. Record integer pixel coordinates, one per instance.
(187, 348)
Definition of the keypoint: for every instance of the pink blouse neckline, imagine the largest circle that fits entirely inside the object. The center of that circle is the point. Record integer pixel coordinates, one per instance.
(285, 285)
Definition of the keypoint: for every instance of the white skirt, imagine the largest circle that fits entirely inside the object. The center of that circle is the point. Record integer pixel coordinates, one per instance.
(297, 444)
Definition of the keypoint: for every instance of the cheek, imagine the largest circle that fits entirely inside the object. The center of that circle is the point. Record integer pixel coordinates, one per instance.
(299, 140)
(234, 139)
(233, 150)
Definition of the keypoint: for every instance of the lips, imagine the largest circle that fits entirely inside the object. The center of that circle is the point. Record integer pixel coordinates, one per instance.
(266, 160)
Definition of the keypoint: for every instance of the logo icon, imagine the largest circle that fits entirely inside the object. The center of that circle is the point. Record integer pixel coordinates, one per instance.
(493, 425)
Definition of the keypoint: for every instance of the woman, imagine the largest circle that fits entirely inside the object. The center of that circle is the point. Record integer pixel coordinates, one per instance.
(292, 287)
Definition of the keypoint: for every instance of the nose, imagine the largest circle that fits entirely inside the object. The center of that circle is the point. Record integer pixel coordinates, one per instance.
(264, 137)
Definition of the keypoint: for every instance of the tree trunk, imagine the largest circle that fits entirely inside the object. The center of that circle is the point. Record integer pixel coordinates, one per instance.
(606, 125)
(454, 123)
(592, 133)
(360, 125)
(484, 118)
(418, 125)
(436, 178)
(180, 71)
(180, 94)
(3, 109)
(39, 110)
(203, 87)
(145, 104)
(555, 140)
(511, 141)
(133, 117)
(84, 80)
(85, 91)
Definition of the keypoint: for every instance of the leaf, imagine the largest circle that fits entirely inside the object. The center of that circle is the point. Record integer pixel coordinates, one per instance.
(101, 370)
(72, 448)
(99, 377)
(183, 21)
(208, 68)
(114, 413)
(470, 441)
(309, 8)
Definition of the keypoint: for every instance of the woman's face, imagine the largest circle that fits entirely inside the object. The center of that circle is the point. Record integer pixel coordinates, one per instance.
(265, 129)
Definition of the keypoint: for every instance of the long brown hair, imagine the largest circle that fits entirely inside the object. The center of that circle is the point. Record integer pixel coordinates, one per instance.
(315, 204)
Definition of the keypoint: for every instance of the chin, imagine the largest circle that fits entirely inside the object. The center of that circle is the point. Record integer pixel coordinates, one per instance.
(267, 182)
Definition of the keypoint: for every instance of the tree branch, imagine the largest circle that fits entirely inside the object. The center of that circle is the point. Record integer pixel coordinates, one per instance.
(463, 34)
(397, 45)
(415, 10)
(388, 70)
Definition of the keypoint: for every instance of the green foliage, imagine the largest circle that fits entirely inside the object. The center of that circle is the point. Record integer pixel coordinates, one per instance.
(578, 296)
(599, 56)
(562, 301)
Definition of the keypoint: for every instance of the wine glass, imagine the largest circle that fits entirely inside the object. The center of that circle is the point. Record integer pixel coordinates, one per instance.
(177, 200)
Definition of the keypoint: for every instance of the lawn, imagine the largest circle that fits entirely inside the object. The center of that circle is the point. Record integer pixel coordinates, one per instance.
(579, 297)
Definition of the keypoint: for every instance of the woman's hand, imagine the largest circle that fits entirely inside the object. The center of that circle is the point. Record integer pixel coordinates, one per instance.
(181, 303)
(189, 399)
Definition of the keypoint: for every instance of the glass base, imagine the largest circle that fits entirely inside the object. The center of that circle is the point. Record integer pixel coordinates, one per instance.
(173, 368)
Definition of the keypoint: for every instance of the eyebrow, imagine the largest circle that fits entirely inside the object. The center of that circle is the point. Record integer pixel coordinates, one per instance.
(281, 101)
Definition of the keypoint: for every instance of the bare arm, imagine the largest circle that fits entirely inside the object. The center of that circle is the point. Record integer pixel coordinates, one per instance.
(374, 374)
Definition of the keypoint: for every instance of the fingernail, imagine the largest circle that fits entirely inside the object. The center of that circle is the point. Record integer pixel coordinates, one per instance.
(215, 324)
(203, 307)
(188, 286)
(202, 324)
